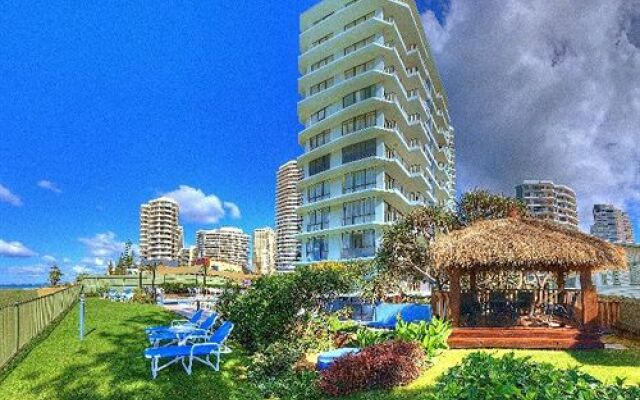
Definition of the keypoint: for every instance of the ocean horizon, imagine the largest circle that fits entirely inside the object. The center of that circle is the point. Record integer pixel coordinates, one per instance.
(18, 286)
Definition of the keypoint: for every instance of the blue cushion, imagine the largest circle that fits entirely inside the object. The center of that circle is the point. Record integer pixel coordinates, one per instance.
(329, 357)
(416, 313)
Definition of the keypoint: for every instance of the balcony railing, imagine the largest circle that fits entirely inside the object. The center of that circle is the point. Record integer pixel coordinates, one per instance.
(358, 252)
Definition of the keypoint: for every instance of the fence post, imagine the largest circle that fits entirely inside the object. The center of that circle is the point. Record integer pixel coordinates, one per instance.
(17, 306)
(82, 316)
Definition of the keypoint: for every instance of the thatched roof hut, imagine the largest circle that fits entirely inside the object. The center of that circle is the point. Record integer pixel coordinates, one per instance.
(524, 244)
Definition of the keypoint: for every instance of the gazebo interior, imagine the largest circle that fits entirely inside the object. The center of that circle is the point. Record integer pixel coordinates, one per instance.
(495, 298)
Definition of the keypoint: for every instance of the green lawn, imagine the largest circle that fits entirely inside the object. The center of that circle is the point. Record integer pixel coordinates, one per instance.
(109, 364)
(8, 297)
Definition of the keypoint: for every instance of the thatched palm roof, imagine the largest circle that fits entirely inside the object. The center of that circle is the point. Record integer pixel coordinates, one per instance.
(524, 244)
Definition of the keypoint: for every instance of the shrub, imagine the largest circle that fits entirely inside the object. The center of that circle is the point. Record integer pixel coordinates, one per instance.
(276, 359)
(366, 337)
(141, 297)
(482, 376)
(276, 307)
(432, 336)
(377, 367)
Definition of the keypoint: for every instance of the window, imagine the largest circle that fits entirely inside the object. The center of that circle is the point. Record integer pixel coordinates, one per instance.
(320, 86)
(317, 249)
(359, 69)
(322, 39)
(318, 220)
(320, 139)
(358, 95)
(391, 214)
(359, 20)
(319, 191)
(360, 44)
(321, 63)
(359, 211)
(359, 180)
(318, 116)
(319, 164)
(358, 123)
(323, 18)
(359, 151)
(359, 244)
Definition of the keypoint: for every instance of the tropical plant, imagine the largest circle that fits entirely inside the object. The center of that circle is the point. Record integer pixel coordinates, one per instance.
(366, 337)
(279, 307)
(431, 336)
(483, 376)
(382, 366)
(55, 275)
(404, 252)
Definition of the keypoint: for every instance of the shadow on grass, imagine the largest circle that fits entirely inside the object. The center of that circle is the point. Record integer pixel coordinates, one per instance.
(109, 363)
(607, 358)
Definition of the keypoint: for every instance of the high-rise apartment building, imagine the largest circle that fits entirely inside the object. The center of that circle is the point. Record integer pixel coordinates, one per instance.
(264, 251)
(187, 256)
(226, 245)
(549, 201)
(377, 136)
(611, 224)
(161, 235)
(288, 223)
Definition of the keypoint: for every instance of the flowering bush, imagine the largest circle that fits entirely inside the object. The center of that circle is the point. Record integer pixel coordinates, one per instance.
(377, 367)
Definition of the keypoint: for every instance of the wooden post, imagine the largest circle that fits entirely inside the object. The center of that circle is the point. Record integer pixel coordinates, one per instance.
(589, 300)
(454, 297)
(560, 280)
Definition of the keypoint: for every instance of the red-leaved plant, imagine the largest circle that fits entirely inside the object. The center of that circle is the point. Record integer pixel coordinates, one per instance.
(381, 366)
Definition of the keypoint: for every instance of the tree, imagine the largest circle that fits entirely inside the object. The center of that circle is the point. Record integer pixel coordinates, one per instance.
(55, 275)
(404, 252)
(126, 260)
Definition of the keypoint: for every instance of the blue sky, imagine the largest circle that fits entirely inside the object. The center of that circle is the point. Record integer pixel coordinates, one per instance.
(105, 105)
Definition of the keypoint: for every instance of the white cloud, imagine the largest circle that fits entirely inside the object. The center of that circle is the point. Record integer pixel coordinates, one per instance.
(15, 250)
(103, 245)
(6, 196)
(233, 209)
(196, 206)
(544, 90)
(48, 185)
(49, 259)
(28, 271)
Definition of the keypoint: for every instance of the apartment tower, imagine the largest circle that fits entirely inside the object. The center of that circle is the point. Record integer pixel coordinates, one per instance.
(377, 136)
(549, 201)
(264, 251)
(288, 222)
(226, 245)
(161, 235)
(611, 224)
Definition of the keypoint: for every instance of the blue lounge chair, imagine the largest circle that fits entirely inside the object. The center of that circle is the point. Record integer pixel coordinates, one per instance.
(127, 295)
(180, 334)
(188, 353)
(386, 314)
(193, 321)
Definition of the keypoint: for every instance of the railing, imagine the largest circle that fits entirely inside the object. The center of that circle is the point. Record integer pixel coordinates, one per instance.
(608, 312)
(94, 284)
(22, 322)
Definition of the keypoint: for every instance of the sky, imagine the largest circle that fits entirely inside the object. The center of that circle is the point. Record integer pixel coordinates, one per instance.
(106, 105)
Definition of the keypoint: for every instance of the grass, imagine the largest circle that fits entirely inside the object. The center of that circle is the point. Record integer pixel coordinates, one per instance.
(109, 364)
(9, 297)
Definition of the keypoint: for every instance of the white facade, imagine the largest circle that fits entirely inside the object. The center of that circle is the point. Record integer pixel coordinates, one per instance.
(377, 136)
(187, 256)
(611, 224)
(288, 222)
(264, 251)
(160, 231)
(549, 201)
(227, 245)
